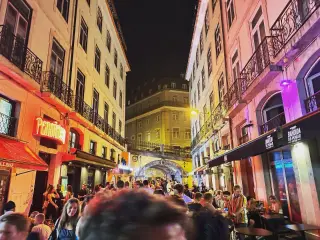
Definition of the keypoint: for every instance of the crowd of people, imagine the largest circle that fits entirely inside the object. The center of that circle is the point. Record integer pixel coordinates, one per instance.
(157, 210)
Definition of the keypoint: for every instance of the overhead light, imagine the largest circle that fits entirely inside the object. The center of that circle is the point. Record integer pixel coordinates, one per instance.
(285, 82)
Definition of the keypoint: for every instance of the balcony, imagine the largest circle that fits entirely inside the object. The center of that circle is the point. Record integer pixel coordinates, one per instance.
(274, 122)
(7, 125)
(291, 19)
(55, 85)
(243, 139)
(15, 50)
(83, 109)
(232, 96)
(312, 103)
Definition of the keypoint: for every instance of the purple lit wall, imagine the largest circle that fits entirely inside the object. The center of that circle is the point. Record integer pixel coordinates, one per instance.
(291, 101)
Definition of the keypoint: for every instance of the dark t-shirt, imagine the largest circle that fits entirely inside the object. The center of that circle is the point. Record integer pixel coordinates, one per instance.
(194, 207)
(82, 193)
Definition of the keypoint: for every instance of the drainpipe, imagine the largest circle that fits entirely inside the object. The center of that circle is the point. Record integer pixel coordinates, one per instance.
(72, 42)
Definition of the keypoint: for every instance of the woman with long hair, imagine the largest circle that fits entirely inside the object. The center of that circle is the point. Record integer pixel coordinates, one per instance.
(50, 207)
(69, 193)
(65, 227)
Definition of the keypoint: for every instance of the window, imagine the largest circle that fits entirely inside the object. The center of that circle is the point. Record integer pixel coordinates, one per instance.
(93, 147)
(207, 22)
(115, 57)
(83, 35)
(184, 86)
(173, 85)
(63, 6)
(157, 133)
(97, 58)
(194, 70)
(107, 76)
(99, 19)
(120, 127)
(175, 116)
(201, 42)
(133, 137)
(80, 86)
(221, 87)
(74, 138)
(114, 118)
(158, 118)
(7, 126)
(211, 100)
(203, 77)
(198, 88)
(185, 116)
(187, 134)
(217, 40)
(216, 145)
(106, 112)
(258, 32)
(230, 12)
(57, 59)
(197, 57)
(120, 99)
(121, 71)
(139, 137)
(95, 104)
(209, 61)
(114, 89)
(88, 1)
(214, 2)
(185, 100)
(174, 98)
(148, 137)
(175, 132)
(235, 66)
(104, 152)
(140, 124)
(108, 40)
(147, 121)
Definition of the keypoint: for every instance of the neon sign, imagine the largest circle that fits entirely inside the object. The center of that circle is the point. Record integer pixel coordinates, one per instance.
(51, 130)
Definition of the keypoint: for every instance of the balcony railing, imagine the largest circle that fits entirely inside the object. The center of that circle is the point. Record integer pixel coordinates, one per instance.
(291, 19)
(243, 139)
(159, 148)
(313, 102)
(15, 50)
(7, 125)
(232, 95)
(54, 84)
(274, 122)
(83, 109)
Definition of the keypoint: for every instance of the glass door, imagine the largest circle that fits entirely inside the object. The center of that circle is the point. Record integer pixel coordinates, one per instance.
(284, 184)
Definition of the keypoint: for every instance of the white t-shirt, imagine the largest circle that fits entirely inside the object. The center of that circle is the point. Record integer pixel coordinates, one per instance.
(43, 230)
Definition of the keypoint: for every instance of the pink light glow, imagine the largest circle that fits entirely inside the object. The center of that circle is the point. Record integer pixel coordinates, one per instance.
(285, 82)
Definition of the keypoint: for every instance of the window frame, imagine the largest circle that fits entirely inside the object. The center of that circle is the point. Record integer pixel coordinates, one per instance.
(61, 9)
(84, 34)
(99, 19)
(209, 61)
(217, 40)
(97, 58)
(230, 7)
(107, 75)
(108, 40)
(115, 85)
(115, 60)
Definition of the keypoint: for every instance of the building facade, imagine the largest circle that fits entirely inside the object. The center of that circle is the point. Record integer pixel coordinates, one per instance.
(158, 128)
(272, 56)
(63, 70)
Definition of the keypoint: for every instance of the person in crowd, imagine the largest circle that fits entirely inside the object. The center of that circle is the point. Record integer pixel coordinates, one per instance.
(169, 187)
(217, 200)
(254, 219)
(195, 205)
(86, 201)
(237, 209)
(126, 185)
(179, 190)
(60, 199)
(207, 202)
(120, 184)
(275, 205)
(42, 229)
(69, 193)
(159, 192)
(146, 187)
(65, 227)
(187, 192)
(203, 187)
(9, 207)
(83, 192)
(107, 185)
(52, 207)
(118, 217)
(14, 226)
(137, 184)
(32, 219)
(226, 195)
(97, 189)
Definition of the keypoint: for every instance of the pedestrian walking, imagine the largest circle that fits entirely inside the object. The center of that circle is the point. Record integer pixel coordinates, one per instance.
(42, 229)
(14, 226)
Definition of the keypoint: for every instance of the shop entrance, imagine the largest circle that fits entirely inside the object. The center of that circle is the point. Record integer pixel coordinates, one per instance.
(40, 185)
(74, 173)
(4, 187)
(284, 184)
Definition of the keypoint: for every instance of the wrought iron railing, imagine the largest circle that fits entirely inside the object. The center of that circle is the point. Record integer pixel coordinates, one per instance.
(274, 122)
(232, 95)
(159, 148)
(291, 19)
(243, 139)
(7, 125)
(15, 50)
(54, 84)
(83, 108)
(313, 102)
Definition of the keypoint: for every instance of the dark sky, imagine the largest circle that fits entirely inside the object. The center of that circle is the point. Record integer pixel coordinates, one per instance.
(158, 35)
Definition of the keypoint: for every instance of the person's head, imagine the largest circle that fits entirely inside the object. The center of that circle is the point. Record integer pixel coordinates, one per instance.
(136, 185)
(14, 226)
(126, 184)
(226, 195)
(69, 188)
(9, 206)
(50, 189)
(272, 199)
(120, 184)
(186, 186)
(70, 213)
(107, 184)
(96, 188)
(84, 186)
(179, 188)
(219, 194)
(237, 190)
(39, 219)
(197, 197)
(145, 183)
(208, 197)
(34, 214)
(158, 192)
(86, 201)
(117, 216)
(58, 187)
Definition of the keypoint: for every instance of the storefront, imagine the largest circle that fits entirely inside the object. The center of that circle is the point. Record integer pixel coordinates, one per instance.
(290, 159)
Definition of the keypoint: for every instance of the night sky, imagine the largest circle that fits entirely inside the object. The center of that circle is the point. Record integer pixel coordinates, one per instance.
(158, 36)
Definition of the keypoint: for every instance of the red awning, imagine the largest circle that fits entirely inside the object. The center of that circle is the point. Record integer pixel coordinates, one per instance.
(17, 154)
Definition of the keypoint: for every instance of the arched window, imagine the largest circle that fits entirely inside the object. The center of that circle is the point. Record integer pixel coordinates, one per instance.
(74, 138)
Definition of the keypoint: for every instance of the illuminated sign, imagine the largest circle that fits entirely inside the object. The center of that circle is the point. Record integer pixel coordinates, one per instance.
(51, 130)
(269, 142)
(294, 134)
(122, 167)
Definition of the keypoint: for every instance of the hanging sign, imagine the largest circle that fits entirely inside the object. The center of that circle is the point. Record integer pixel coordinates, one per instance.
(269, 142)
(294, 134)
(51, 130)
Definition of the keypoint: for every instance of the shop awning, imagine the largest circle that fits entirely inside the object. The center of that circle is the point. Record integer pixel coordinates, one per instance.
(198, 170)
(89, 159)
(304, 128)
(17, 154)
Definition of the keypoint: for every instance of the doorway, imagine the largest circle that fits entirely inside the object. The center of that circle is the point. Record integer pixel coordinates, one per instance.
(4, 187)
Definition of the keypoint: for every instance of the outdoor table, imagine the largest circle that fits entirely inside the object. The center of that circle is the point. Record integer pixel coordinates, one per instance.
(253, 232)
(302, 228)
(273, 222)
